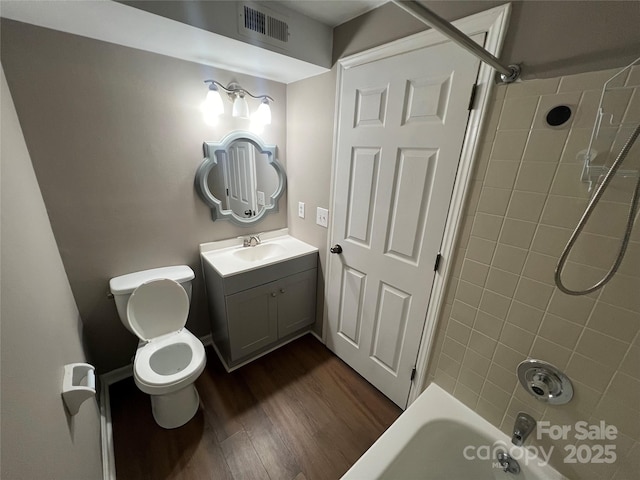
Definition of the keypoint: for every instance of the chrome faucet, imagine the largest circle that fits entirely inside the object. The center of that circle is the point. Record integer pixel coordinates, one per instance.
(525, 424)
(251, 240)
(508, 463)
(254, 240)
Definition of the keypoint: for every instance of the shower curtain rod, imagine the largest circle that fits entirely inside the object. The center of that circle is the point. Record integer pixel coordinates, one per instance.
(508, 74)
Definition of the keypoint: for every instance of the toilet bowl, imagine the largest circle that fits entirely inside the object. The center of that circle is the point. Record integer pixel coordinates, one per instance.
(154, 306)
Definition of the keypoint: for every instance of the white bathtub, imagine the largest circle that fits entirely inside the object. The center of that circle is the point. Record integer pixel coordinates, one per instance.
(440, 438)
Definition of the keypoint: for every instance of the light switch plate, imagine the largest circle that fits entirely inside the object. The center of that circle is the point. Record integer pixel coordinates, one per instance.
(322, 217)
(301, 209)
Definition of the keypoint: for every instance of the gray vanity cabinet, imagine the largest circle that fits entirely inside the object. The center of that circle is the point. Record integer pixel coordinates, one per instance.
(256, 311)
(262, 315)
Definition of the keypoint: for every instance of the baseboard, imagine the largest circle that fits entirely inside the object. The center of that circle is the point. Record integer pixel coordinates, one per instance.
(318, 337)
(116, 375)
(207, 340)
(106, 429)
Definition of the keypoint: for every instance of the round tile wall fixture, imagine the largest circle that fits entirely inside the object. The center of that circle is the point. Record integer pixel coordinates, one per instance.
(558, 116)
(545, 382)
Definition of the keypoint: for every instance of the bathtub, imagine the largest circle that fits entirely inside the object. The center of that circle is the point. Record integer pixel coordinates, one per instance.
(440, 438)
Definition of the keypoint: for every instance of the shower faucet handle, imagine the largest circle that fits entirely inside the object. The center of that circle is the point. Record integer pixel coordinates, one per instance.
(525, 424)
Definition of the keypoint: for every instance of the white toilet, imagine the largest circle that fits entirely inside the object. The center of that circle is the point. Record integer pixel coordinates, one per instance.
(154, 305)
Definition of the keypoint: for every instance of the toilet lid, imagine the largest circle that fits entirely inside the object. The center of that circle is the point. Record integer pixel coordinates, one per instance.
(156, 308)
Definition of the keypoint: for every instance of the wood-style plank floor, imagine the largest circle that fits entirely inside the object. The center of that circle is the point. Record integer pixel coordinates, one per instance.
(298, 413)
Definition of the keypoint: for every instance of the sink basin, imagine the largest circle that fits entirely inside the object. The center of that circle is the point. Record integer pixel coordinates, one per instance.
(229, 257)
(259, 252)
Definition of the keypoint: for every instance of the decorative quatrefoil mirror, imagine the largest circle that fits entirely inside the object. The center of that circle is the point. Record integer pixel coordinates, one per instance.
(240, 178)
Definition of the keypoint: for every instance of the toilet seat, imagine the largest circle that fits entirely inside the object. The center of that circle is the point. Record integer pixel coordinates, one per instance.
(154, 383)
(157, 308)
(157, 312)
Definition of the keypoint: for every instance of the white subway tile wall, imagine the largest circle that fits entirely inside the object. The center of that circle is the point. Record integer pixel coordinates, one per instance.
(502, 305)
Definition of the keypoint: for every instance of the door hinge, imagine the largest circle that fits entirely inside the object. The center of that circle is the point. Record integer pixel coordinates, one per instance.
(472, 99)
(413, 373)
(437, 264)
(227, 192)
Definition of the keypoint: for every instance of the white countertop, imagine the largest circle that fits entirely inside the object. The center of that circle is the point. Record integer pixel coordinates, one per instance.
(220, 255)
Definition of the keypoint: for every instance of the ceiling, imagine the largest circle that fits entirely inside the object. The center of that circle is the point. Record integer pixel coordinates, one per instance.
(332, 12)
(114, 22)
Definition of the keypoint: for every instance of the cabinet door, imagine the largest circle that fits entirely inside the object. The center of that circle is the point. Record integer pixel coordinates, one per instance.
(296, 302)
(252, 318)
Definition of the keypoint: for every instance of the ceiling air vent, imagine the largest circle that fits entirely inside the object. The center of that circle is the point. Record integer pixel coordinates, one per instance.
(262, 24)
(278, 29)
(254, 20)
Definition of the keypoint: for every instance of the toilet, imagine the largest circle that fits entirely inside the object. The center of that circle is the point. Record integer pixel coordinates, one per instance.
(154, 305)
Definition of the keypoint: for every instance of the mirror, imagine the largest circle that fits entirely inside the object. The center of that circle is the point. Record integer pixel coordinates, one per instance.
(240, 178)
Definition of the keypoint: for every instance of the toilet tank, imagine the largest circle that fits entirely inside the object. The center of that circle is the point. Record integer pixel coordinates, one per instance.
(123, 286)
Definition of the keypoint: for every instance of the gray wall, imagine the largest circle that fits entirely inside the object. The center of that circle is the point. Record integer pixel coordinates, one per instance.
(115, 136)
(549, 38)
(41, 332)
(310, 112)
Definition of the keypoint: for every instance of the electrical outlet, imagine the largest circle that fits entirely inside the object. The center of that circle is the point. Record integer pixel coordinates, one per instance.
(322, 217)
(301, 209)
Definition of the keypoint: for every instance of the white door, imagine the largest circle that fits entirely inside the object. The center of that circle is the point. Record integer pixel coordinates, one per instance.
(402, 125)
(240, 178)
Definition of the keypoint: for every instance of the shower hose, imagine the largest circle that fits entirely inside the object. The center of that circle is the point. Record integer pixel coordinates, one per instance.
(585, 217)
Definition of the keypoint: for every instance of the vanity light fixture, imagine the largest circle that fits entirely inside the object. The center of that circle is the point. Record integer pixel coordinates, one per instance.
(213, 106)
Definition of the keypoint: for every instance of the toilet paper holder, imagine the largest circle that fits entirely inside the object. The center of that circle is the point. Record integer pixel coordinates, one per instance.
(78, 384)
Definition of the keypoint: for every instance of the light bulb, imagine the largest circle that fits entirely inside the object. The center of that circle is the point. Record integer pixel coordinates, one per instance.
(263, 114)
(240, 107)
(212, 106)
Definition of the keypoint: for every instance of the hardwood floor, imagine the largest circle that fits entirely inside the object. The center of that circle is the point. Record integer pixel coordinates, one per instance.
(298, 413)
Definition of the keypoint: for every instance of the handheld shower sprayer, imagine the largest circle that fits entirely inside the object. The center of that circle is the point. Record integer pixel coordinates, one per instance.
(633, 210)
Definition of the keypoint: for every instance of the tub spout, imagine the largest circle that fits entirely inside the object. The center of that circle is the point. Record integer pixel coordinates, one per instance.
(508, 463)
(525, 424)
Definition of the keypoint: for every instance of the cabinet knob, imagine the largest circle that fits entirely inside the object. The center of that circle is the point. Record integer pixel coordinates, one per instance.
(282, 290)
(273, 294)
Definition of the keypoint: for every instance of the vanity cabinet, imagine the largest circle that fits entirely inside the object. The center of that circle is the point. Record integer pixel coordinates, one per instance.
(256, 311)
(260, 316)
